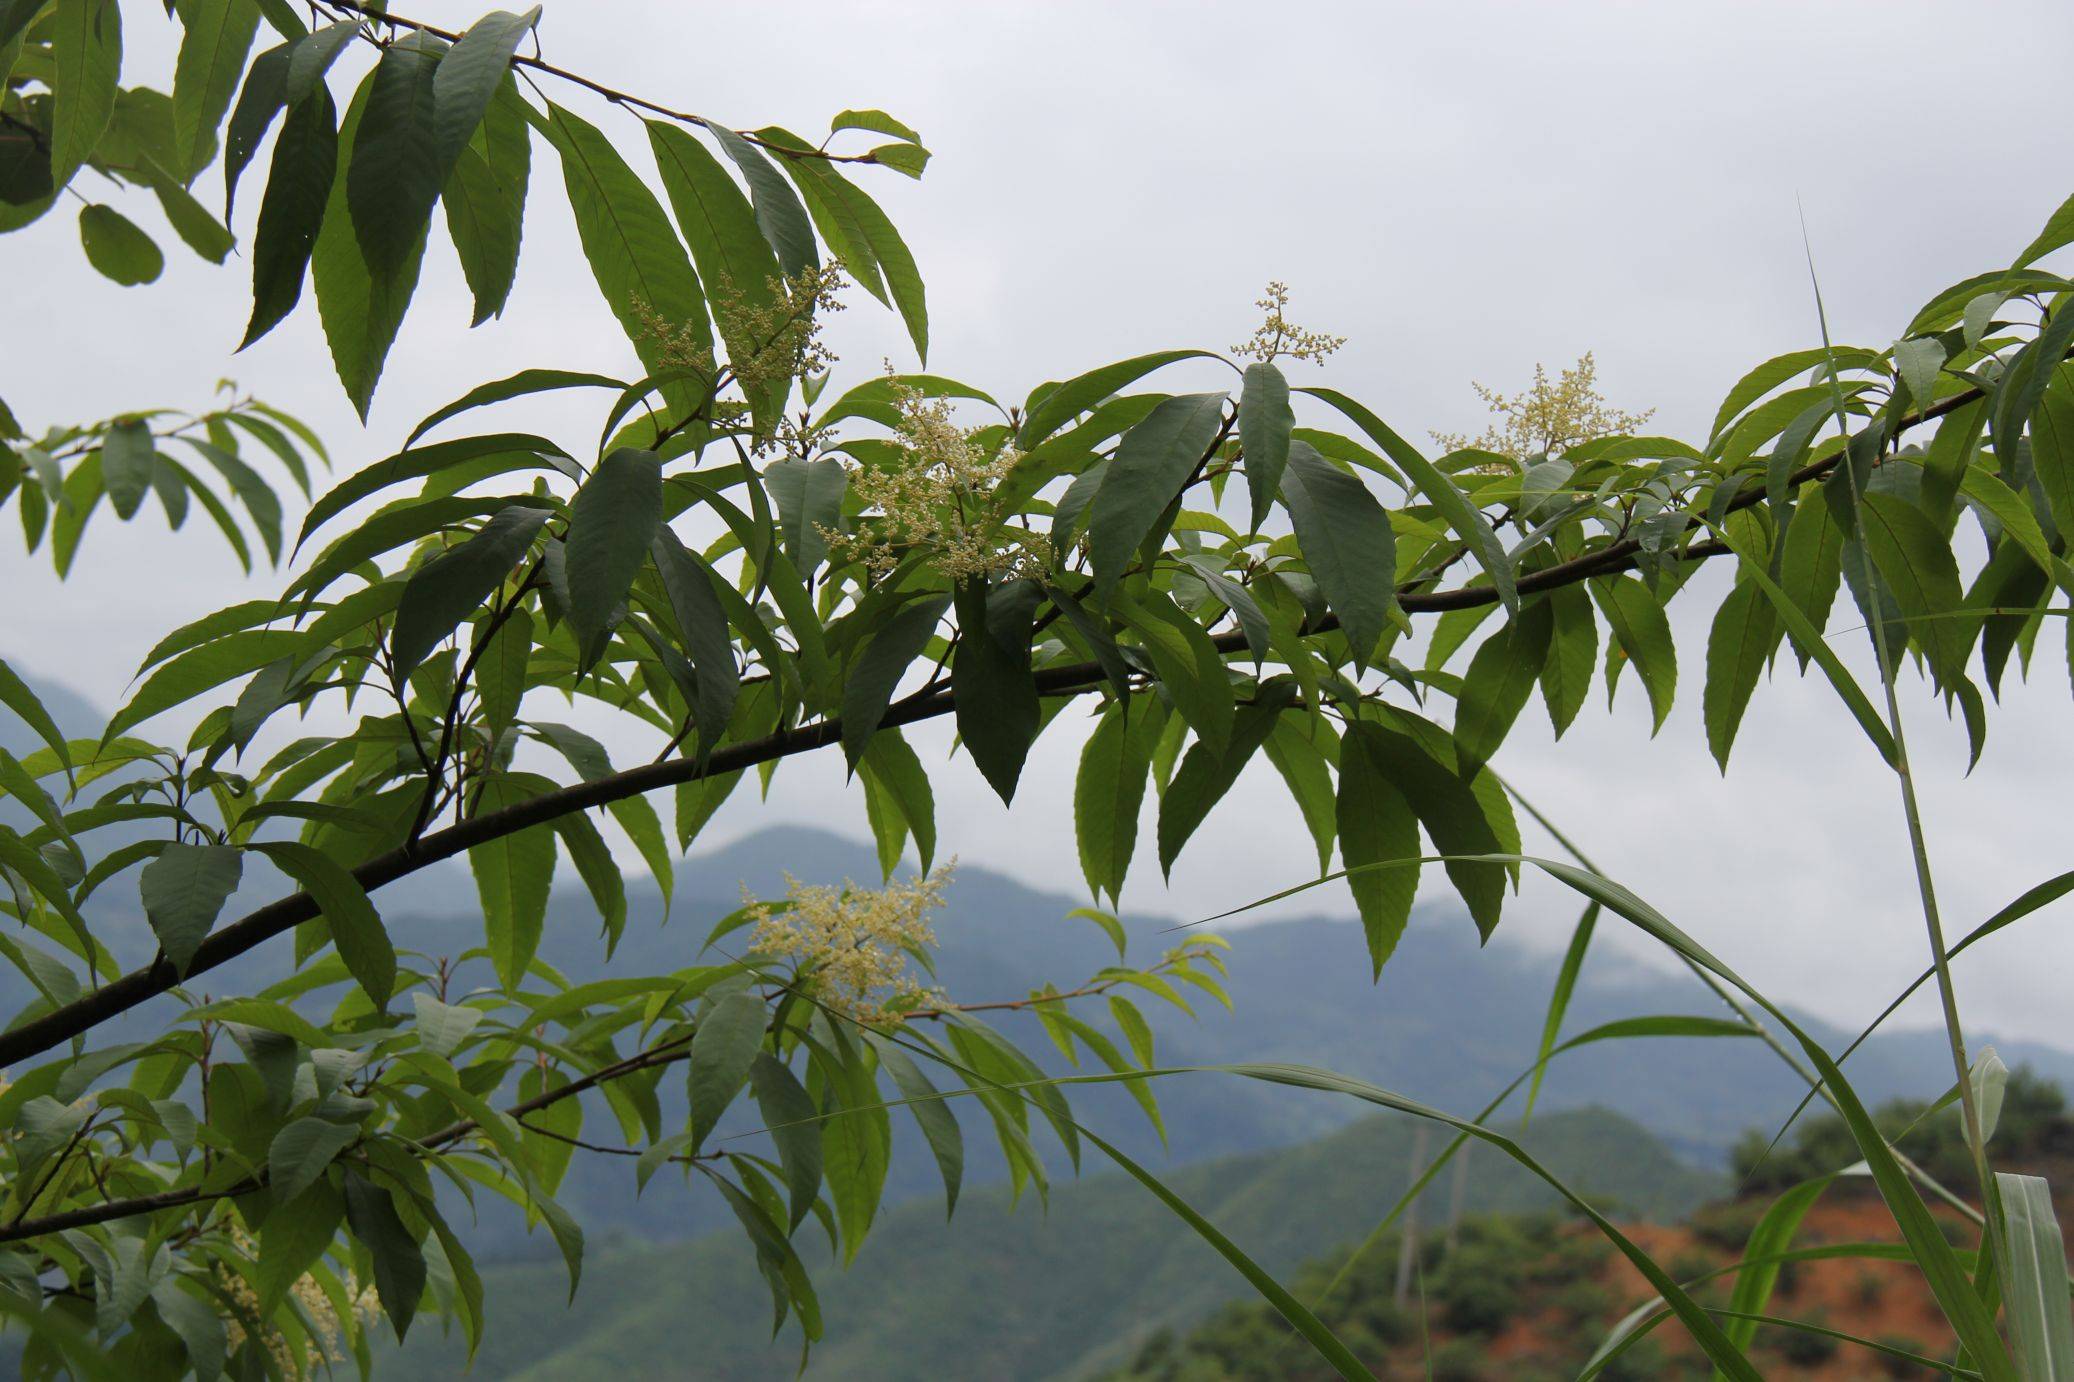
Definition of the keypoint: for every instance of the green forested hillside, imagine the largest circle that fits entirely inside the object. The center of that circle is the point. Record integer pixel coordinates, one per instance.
(1018, 1293)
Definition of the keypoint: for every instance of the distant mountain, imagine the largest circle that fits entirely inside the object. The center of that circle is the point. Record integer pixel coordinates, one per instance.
(1023, 1293)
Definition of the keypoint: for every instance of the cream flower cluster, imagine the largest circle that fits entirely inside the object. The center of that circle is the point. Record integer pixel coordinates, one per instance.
(323, 1345)
(852, 944)
(1549, 417)
(1279, 338)
(942, 498)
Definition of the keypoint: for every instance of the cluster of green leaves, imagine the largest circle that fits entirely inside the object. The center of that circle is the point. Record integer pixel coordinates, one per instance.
(58, 480)
(752, 584)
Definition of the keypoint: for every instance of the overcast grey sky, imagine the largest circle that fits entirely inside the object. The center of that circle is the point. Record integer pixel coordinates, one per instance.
(1463, 190)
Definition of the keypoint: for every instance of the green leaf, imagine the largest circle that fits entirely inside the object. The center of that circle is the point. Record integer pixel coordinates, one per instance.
(1186, 661)
(443, 1027)
(117, 248)
(356, 928)
(2040, 1322)
(1745, 632)
(266, 85)
(1049, 408)
(640, 267)
(1207, 773)
(184, 889)
(702, 621)
(1376, 824)
(191, 221)
(513, 875)
(723, 1049)
(215, 36)
(996, 697)
(525, 382)
(1573, 655)
(1264, 426)
(393, 174)
(301, 1151)
(779, 214)
(1446, 806)
(485, 198)
(291, 212)
(494, 454)
(453, 585)
(16, 696)
(869, 685)
(1642, 635)
(399, 1263)
(1152, 463)
(1109, 792)
(893, 772)
(294, 1239)
(933, 1116)
(794, 1123)
(1464, 517)
(362, 310)
(727, 246)
(86, 52)
(469, 76)
(126, 465)
(203, 669)
(1347, 543)
(1916, 564)
(612, 521)
(810, 498)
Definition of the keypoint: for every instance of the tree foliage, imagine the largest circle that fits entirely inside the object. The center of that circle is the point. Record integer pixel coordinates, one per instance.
(755, 565)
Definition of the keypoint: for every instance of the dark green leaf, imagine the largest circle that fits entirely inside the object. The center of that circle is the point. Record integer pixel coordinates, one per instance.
(301, 1151)
(394, 173)
(1376, 825)
(485, 196)
(795, 1128)
(703, 623)
(468, 78)
(513, 875)
(1153, 461)
(612, 520)
(938, 1124)
(399, 1263)
(291, 212)
(810, 499)
(1500, 678)
(726, 1045)
(1745, 632)
(778, 212)
(126, 465)
(356, 928)
(266, 85)
(1348, 544)
(868, 687)
(996, 696)
(1264, 425)
(1642, 635)
(1109, 792)
(1051, 407)
(453, 585)
(184, 889)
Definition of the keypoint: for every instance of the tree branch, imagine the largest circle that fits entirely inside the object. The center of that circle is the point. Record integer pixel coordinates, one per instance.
(621, 98)
(139, 986)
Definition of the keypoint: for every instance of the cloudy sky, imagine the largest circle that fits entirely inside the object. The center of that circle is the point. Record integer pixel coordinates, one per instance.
(1463, 190)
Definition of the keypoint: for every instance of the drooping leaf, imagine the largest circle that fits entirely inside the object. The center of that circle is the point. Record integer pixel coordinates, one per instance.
(1500, 678)
(86, 50)
(996, 697)
(394, 172)
(301, 1151)
(1641, 635)
(1744, 634)
(513, 875)
(399, 1263)
(356, 928)
(215, 36)
(485, 200)
(1152, 462)
(126, 465)
(453, 585)
(291, 213)
(1347, 543)
(868, 687)
(724, 1048)
(184, 889)
(1109, 791)
(1376, 824)
(612, 520)
(1264, 425)
(362, 310)
(778, 211)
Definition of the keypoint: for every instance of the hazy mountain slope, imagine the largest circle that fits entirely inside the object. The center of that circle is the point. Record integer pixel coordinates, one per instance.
(1022, 1293)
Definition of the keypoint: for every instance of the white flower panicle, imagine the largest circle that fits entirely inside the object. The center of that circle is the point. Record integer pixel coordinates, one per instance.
(1279, 338)
(853, 946)
(942, 497)
(1548, 418)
